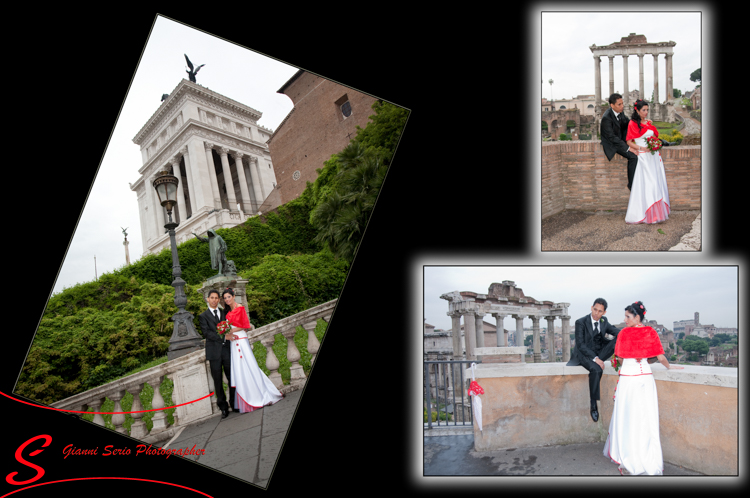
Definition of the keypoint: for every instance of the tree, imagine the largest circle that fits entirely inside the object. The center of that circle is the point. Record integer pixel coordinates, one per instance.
(528, 340)
(676, 93)
(696, 75)
(345, 192)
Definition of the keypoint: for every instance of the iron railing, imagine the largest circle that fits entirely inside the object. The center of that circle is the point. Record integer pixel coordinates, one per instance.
(445, 370)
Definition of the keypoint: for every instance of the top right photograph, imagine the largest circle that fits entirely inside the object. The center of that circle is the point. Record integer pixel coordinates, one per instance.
(621, 138)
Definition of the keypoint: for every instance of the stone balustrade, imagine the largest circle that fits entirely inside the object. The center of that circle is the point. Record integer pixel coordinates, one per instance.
(192, 379)
(540, 404)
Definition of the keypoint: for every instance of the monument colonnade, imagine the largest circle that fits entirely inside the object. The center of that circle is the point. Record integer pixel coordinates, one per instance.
(474, 313)
(200, 188)
(624, 51)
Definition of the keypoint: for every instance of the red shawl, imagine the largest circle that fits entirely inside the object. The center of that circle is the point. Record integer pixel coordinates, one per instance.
(634, 132)
(238, 318)
(638, 342)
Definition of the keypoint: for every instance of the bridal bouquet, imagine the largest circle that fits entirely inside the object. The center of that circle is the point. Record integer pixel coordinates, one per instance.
(222, 327)
(616, 362)
(653, 144)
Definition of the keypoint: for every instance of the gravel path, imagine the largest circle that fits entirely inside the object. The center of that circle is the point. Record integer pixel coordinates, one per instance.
(603, 231)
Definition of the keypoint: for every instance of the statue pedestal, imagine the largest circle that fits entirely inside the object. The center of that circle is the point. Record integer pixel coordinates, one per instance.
(221, 282)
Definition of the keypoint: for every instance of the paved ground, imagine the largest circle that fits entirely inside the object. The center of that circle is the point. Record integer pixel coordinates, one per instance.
(244, 445)
(455, 455)
(607, 231)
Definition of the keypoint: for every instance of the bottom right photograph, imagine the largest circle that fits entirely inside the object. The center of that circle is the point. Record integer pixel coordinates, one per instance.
(585, 370)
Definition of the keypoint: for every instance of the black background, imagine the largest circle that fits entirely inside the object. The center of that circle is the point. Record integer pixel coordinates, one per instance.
(462, 159)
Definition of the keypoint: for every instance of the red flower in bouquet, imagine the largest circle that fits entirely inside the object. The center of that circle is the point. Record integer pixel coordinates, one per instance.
(616, 362)
(223, 327)
(653, 144)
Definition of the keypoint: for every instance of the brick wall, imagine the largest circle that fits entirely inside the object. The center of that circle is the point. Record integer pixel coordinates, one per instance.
(314, 130)
(578, 176)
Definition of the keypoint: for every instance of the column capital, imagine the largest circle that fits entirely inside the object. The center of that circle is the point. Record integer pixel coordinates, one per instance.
(208, 145)
(238, 154)
(223, 151)
(175, 160)
(517, 316)
(499, 315)
(611, 57)
(565, 317)
(534, 318)
(252, 159)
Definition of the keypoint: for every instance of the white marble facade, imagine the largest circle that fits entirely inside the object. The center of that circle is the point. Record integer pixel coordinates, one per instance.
(205, 136)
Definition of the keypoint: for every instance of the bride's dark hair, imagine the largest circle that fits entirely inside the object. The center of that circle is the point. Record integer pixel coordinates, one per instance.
(637, 308)
(637, 107)
(228, 290)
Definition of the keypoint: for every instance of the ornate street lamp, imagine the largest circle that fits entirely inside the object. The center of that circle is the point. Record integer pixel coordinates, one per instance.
(184, 338)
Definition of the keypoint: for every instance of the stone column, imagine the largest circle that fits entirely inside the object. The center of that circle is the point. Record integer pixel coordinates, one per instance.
(456, 335)
(228, 182)
(502, 336)
(641, 90)
(212, 175)
(191, 179)
(670, 90)
(598, 82)
(656, 78)
(181, 201)
(470, 334)
(611, 74)
(479, 317)
(260, 180)
(566, 337)
(551, 338)
(246, 207)
(537, 345)
(127, 253)
(255, 179)
(519, 329)
(625, 90)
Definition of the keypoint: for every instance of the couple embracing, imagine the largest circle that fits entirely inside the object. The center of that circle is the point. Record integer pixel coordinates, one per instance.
(633, 441)
(249, 387)
(629, 138)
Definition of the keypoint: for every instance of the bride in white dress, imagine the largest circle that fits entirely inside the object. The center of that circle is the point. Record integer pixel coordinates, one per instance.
(649, 197)
(253, 388)
(633, 441)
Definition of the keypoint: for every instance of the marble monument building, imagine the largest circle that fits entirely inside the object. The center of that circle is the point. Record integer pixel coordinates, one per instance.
(216, 148)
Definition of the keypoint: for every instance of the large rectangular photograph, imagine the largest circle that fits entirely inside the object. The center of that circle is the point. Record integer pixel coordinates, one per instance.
(211, 252)
(621, 138)
(580, 370)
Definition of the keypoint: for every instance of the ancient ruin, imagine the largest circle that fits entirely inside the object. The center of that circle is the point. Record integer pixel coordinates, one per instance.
(502, 300)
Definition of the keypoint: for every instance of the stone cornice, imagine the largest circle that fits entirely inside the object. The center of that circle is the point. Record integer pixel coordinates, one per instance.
(201, 95)
(211, 134)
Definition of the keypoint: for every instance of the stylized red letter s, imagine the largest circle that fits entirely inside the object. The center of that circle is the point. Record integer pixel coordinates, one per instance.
(39, 470)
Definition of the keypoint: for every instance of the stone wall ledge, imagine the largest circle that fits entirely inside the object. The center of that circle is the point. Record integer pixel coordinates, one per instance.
(691, 374)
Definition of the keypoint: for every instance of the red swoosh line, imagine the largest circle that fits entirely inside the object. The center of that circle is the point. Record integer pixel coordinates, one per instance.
(105, 413)
(88, 478)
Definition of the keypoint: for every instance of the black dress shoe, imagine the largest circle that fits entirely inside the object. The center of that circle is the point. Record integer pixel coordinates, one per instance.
(595, 414)
(224, 413)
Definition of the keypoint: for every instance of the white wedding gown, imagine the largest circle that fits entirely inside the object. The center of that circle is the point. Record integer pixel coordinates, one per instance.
(633, 441)
(649, 197)
(253, 388)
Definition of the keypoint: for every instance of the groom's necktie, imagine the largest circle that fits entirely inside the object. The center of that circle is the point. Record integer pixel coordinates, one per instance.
(596, 328)
(216, 314)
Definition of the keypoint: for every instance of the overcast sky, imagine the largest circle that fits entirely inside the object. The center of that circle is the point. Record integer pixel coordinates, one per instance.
(231, 70)
(568, 61)
(669, 293)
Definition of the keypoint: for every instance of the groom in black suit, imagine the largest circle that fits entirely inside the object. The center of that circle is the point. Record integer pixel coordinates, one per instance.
(614, 129)
(593, 348)
(218, 353)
